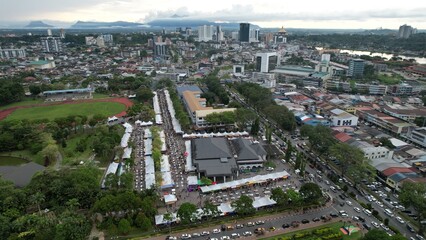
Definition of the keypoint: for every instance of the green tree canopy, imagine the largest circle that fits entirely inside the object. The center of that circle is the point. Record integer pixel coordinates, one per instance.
(186, 212)
(243, 206)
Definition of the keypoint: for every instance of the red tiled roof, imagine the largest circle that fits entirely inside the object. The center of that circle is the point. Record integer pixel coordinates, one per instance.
(392, 170)
(343, 137)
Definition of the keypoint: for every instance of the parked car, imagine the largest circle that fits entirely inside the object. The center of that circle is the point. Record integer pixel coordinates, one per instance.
(305, 221)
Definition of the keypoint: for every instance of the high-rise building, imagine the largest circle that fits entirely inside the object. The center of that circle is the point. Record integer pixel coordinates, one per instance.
(160, 49)
(254, 35)
(205, 33)
(235, 36)
(51, 44)
(219, 33)
(12, 53)
(406, 31)
(108, 39)
(356, 68)
(244, 32)
(266, 62)
(188, 31)
(49, 32)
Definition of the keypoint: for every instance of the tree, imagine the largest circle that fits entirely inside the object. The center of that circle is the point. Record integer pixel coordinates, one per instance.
(206, 181)
(143, 222)
(279, 196)
(72, 225)
(255, 127)
(310, 192)
(168, 218)
(210, 210)
(375, 234)
(34, 89)
(294, 197)
(144, 94)
(50, 152)
(348, 156)
(244, 117)
(244, 206)
(298, 162)
(409, 197)
(124, 226)
(320, 137)
(288, 151)
(268, 134)
(186, 212)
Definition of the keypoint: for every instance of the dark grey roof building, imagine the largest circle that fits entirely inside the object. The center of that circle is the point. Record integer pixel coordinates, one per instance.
(213, 158)
(248, 153)
(20, 175)
(183, 88)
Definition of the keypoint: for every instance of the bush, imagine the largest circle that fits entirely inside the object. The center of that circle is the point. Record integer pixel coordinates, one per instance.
(394, 229)
(386, 222)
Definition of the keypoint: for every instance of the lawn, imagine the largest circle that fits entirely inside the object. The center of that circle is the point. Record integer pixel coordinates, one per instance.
(11, 161)
(335, 226)
(389, 79)
(25, 102)
(63, 110)
(71, 156)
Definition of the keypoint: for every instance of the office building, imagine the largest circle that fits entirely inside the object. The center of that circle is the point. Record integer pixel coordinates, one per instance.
(62, 33)
(219, 33)
(356, 68)
(160, 49)
(51, 44)
(266, 62)
(49, 32)
(12, 53)
(254, 35)
(244, 32)
(406, 31)
(108, 39)
(205, 33)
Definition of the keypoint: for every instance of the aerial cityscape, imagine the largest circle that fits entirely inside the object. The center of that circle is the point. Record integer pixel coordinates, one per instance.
(212, 120)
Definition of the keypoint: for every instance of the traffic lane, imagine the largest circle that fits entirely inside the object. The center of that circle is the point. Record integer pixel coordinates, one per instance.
(276, 222)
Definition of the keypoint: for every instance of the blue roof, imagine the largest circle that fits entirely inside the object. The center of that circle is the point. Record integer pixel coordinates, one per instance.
(77, 90)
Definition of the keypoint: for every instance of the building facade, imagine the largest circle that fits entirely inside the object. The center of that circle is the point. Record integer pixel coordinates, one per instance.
(244, 34)
(205, 33)
(356, 68)
(265, 62)
(51, 44)
(12, 53)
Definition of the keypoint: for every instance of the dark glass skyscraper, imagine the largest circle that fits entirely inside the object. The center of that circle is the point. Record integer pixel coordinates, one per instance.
(244, 32)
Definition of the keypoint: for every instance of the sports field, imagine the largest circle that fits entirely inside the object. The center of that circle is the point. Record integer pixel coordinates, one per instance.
(55, 111)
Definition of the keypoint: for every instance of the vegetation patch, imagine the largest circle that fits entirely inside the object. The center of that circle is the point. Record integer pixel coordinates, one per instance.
(64, 110)
(11, 161)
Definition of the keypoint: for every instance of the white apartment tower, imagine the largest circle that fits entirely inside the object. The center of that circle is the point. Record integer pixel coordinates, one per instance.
(205, 33)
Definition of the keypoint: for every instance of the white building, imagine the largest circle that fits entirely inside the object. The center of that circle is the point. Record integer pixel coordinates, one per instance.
(371, 152)
(340, 118)
(254, 35)
(51, 44)
(12, 53)
(417, 135)
(266, 62)
(205, 33)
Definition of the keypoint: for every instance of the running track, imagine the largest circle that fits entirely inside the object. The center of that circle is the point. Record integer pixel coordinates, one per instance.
(4, 113)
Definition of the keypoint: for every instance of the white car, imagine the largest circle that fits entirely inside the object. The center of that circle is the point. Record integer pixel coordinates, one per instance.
(216, 230)
(225, 238)
(185, 236)
(399, 219)
(349, 203)
(380, 204)
(384, 226)
(248, 233)
(376, 225)
(270, 169)
(356, 209)
(235, 235)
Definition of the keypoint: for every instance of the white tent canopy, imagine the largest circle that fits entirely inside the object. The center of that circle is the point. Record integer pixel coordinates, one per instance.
(127, 152)
(245, 181)
(166, 173)
(149, 172)
(125, 140)
(225, 208)
(156, 104)
(263, 202)
(143, 124)
(159, 219)
(128, 127)
(170, 198)
(176, 125)
(148, 146)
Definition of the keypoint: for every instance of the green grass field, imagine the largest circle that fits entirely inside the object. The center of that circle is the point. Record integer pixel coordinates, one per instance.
(25, 102)
(335, 226)
(56, 111)
(389, 79)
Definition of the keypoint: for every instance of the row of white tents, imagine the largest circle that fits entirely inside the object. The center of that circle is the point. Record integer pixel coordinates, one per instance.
(223, 209)
(167, 181)
(245, 181)
(218, 134)
(157, 109)
(176, 125)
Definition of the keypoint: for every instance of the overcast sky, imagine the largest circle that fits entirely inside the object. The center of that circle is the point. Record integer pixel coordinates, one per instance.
(265, 13)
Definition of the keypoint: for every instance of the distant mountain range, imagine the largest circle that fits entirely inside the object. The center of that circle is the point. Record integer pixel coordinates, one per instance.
(94, 25)
(38, 24)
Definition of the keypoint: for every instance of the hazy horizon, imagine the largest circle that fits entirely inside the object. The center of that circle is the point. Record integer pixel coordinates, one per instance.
(329, 14)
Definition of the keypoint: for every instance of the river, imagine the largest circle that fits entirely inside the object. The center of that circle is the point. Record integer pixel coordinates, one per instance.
(387, 56)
